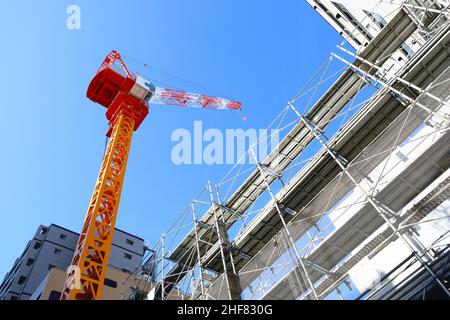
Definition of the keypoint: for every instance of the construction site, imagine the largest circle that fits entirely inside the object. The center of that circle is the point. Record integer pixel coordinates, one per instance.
(353, 203)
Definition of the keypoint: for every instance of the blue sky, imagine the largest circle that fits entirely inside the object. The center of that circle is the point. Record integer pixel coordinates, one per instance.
(258, 52)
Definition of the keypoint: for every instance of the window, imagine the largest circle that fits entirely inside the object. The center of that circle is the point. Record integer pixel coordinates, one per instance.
(21, 279)
(130, 242)
(321, 6)
(37, 245)
(57, 251)
(62, 236)
(127, 256)
(407, 49)
(54, 295)
(344, 12)
(377, 18)
(43, 231)
(110, 283)
(29, 262)
(50, 267)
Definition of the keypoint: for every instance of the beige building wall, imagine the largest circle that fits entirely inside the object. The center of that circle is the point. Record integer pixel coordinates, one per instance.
(118, 285)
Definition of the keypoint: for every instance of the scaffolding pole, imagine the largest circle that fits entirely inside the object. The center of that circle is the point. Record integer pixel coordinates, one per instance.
(162, 266)
(439, 11)
(231, 277)
(280, 214)
(197, 247)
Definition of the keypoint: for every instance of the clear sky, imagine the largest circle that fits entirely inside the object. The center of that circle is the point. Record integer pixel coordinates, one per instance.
(259, 52)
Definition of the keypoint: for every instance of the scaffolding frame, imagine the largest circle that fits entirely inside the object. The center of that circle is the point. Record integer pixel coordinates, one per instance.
(211, 266)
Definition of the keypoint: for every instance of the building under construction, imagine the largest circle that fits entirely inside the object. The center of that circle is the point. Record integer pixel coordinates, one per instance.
(353, 203)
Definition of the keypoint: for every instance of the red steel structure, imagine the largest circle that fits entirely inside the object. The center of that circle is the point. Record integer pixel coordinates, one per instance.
(126, 98)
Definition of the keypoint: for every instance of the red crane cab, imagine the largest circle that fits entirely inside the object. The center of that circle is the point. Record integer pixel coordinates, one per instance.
(118, 91)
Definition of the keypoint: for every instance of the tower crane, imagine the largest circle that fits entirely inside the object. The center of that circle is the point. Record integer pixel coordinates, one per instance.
(126, 98)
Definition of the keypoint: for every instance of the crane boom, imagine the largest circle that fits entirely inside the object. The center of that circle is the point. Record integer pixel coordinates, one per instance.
(126, 98)
(188, 99)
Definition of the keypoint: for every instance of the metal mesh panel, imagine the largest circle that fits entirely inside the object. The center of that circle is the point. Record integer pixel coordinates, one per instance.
(218, 290)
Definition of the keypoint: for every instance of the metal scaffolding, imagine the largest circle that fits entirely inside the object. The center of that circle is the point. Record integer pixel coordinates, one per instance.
(363, 166)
